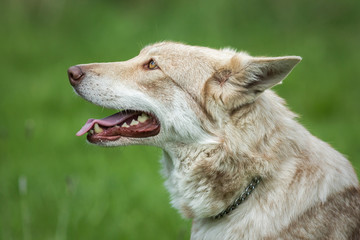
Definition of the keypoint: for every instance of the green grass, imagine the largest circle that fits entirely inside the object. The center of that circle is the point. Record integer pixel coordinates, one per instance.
(72, 190)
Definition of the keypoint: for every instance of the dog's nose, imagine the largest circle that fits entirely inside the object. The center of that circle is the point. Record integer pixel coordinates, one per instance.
(75, 75)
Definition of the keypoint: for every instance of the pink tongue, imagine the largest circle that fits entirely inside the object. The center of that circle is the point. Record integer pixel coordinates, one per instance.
(106, 122)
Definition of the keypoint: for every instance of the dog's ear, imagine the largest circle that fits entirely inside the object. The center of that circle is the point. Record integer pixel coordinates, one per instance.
(263, 73)
(244, 77)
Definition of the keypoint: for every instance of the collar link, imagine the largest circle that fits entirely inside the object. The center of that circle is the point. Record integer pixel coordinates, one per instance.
(243, 196)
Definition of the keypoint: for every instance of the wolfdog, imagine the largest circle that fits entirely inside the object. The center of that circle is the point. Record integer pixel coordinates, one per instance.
(235, 159)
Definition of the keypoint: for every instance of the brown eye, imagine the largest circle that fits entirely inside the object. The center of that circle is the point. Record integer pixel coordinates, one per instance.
(152, 64)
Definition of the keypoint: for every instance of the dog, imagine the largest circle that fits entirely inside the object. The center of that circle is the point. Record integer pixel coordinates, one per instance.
(235, 159)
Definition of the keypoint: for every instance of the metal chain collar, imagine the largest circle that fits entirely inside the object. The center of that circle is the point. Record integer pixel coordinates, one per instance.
(248, 190)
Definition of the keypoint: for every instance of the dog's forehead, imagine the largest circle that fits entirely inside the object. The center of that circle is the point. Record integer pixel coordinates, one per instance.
(165, 48)
(174, 48)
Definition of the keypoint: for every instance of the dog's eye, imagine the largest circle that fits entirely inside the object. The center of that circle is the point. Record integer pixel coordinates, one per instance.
(152, 64)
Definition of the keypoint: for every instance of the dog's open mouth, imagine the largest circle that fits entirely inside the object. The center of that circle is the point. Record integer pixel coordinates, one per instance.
(127, 123)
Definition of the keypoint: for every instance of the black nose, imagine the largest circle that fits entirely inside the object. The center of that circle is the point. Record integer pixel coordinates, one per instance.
(75, 75)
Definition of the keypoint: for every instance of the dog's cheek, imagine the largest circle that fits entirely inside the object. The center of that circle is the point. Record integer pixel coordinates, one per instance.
(162, 89)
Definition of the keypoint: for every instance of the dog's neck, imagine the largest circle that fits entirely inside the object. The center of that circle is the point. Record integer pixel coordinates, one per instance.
(205, 182)
(243, 196)
(205, 179)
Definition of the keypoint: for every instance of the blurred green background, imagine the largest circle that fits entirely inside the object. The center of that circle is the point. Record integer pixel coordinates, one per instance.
(54, 185)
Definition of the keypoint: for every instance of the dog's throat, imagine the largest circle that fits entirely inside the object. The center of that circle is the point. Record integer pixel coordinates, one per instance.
(243, 196)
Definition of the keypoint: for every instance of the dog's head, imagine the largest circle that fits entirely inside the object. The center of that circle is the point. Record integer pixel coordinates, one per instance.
(173, 92)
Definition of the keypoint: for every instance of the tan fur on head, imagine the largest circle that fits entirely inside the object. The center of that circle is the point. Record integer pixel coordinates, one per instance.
(221, 126)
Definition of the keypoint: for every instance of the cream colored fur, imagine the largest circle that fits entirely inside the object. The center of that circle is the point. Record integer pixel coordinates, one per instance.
(220, 127)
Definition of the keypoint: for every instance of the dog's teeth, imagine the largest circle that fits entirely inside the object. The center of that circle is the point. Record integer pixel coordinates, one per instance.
(91, 131)
(125, 125)
(97, 128)
(143, 117)
(134, 122)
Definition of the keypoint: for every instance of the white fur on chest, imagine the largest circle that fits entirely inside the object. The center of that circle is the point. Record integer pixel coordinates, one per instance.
(189, 193)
